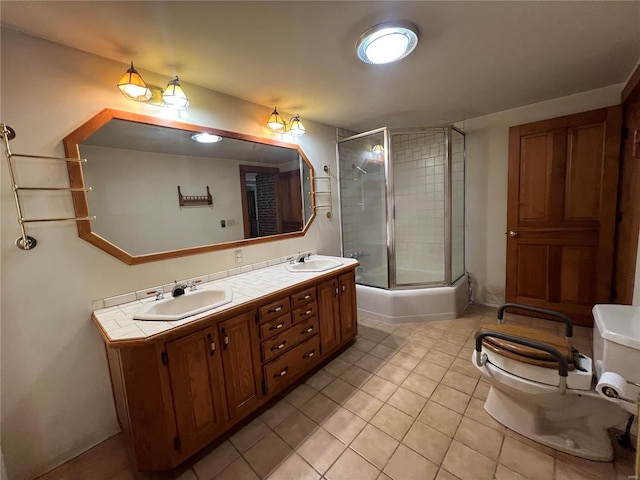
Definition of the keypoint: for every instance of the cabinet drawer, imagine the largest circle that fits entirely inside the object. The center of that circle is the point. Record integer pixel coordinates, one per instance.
(302, 357)
(273, 327)
(303, 296)
(274, 309)
(306, 311)
(283, 342)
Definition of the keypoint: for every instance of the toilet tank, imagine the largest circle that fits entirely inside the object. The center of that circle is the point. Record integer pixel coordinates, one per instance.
(616, 340)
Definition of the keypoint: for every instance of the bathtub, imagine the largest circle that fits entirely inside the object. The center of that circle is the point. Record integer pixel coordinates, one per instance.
(414, 305)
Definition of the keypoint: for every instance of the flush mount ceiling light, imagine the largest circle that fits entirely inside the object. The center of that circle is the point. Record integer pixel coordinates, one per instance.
(133, 87)
(205, 137)
(293, 127)
(174, 97)
(387, 42)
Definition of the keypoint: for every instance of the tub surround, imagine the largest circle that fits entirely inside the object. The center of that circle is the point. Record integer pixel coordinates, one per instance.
(179, 385)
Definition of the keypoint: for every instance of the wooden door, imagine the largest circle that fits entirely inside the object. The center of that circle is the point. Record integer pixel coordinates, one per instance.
(348, 311)
(563, 177)
(241, 363)
(197, 387)
(329, 315)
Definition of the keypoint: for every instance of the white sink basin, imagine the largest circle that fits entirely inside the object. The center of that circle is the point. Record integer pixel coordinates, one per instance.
(191, 303)
(314, 265)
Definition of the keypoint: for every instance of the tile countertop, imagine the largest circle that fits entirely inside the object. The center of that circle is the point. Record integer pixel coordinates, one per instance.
(117, 324)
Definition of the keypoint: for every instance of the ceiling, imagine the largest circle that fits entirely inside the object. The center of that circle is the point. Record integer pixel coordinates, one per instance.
(473, 58)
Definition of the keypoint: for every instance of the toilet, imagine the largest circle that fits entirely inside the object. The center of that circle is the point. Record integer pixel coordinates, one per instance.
(544, 389)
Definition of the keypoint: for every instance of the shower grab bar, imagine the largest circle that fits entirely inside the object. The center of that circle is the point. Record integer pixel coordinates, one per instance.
(551, 313)
(563, 364)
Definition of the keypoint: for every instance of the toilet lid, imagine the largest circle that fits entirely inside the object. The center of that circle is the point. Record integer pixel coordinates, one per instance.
(523, 353)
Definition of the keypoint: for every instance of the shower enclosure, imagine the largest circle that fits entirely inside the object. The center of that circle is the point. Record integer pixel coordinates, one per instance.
(402, 205)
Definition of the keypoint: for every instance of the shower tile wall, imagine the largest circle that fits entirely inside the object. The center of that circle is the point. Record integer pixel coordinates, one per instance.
(418, 162)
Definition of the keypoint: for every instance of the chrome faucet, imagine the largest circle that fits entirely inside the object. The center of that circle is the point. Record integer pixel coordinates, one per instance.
(192, 285)
(160, 293)
(179, 289)
(303, 257)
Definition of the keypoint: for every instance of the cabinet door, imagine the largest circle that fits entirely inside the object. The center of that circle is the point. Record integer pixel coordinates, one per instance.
(348, 311)
(239, 347)
(329, 315)
(197, 387)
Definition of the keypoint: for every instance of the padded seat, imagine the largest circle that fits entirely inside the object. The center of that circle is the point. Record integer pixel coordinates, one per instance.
(526, 354)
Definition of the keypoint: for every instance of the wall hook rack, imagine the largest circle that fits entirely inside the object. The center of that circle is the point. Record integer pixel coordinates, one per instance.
(26, 242)
(325, 191)
(194, 200)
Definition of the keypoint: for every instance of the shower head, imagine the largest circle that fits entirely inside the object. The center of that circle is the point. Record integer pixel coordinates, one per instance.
(353, 165)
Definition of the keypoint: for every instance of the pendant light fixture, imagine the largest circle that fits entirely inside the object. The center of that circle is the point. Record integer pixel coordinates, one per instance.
(387, 42)
(174, 97)
(133, 87)
(293, 127)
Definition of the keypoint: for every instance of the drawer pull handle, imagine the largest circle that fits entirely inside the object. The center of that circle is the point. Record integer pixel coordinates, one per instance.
(344, 288)
(279, 347)
(307, 312)
(276, 327)
(212, 345)
(307, 297)
(282, 373)
(308, 330)
(310, 354)
(277, 309)
(226, 339)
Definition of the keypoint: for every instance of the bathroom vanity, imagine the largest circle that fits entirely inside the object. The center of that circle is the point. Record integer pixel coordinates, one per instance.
(181, 388)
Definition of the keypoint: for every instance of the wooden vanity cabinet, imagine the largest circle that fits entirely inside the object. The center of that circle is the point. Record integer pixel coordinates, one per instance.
(337, 312)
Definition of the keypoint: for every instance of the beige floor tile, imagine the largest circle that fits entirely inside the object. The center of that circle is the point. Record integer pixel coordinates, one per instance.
(344, 425)
(504, 473)
(351, 355)
(384, 476)
(428, 442)
(531, 443)
(405, 464)
(393, 373)
(526, 460)
(565, 471)
(416, 349)
(467, 464)
(320, 379)
(439, 358)
(216, 461)
(482, 390)
(356, 376)
(238, 470)
(456, 336)
(392, 421)
(394, 341)
(375, 445)
(339, 391)
(423, 340)
(420, 385)
(266, 455)
(465, 353)
(446, 347)
(370, 363)
(250, 435)
(476, 410)
(404, 360)
(407, 401)
(382, 351)
(440, 417)
(277, 414)
(296, 468)
(480, 437)
(430, 370)
(363, 405)
(371, 334)
(351, 466)
(431, 332)
(363, 344)
(336, 366)
(300, 395)
(296, 428)
(451, 398)
(319, 408)
(601, 470)
(380, 388)
(460, 382)
(444, 475)
(321, 449)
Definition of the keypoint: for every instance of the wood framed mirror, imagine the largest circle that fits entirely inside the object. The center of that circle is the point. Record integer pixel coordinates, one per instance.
(158, 194)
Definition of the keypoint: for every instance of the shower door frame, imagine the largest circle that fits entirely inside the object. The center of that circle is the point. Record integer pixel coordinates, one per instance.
(390, 204)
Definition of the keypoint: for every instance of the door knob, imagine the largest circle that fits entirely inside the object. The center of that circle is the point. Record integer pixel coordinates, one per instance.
(512, 233)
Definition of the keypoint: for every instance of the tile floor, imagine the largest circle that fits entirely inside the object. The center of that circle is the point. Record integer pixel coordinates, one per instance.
(403, 402)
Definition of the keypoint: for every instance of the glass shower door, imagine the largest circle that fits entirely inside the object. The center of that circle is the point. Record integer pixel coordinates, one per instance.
(363, 200)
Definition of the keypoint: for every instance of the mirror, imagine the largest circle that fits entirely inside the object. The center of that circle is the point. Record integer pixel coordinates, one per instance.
(156, 193)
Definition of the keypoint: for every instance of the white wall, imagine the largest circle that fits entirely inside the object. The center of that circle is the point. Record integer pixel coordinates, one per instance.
(55, 392)
(486, 201)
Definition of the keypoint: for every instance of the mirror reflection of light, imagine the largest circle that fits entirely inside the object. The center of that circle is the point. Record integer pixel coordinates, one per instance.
(205, 138)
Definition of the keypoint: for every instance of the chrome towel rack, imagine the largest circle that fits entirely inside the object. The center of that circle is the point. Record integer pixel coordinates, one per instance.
(26, 242)
(326, 191)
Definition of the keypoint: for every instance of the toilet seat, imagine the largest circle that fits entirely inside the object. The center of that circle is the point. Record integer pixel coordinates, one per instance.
(526, 354)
